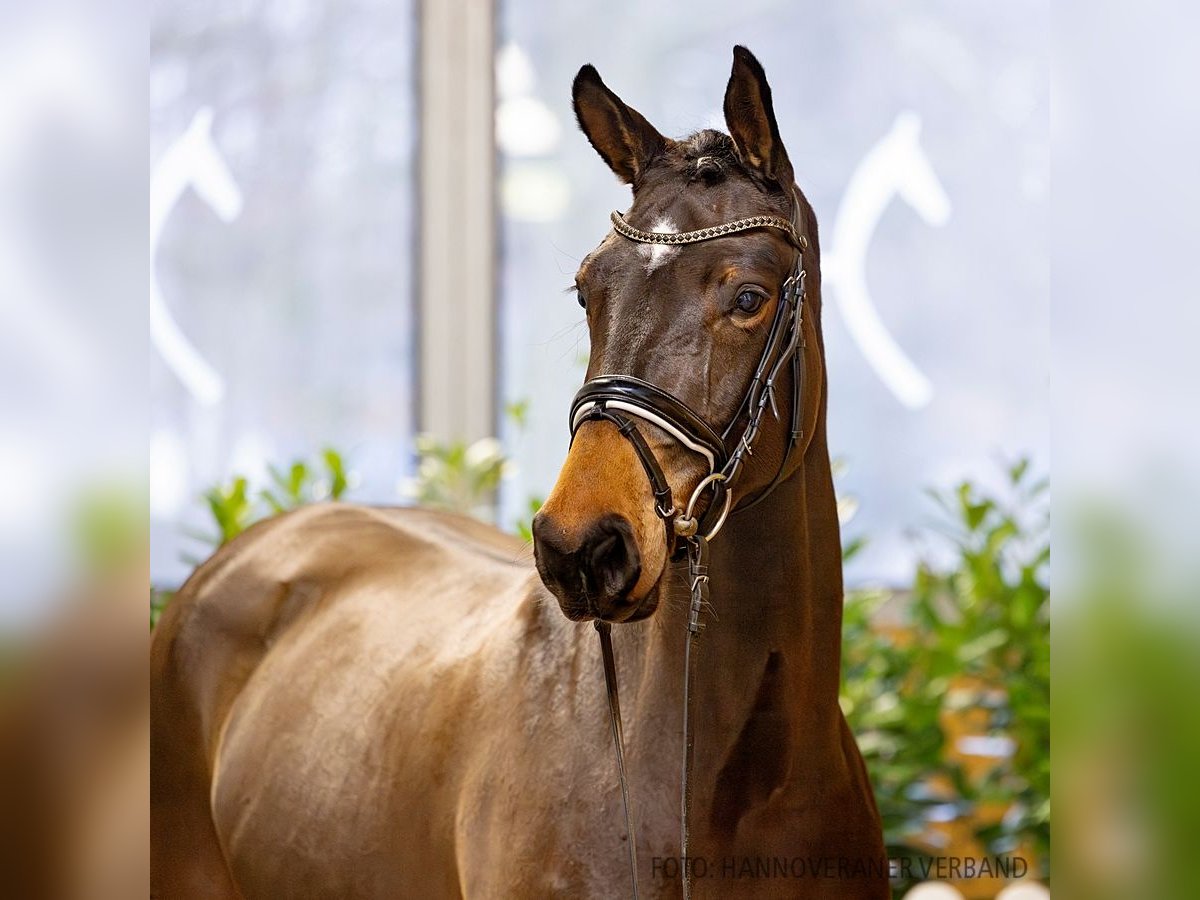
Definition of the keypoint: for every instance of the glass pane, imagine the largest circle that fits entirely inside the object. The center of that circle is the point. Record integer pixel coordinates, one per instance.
(937, 333)
(282, 151)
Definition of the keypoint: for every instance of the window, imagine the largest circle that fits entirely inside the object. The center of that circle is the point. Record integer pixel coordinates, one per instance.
(283, 139)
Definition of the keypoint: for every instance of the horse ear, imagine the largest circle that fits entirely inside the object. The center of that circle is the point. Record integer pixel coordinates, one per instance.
(620, 134)
(751, 121)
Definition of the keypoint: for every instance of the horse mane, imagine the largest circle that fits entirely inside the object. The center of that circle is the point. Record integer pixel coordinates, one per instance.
(707, 155)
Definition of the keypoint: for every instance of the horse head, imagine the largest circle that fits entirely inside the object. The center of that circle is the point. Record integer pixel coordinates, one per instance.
(689, 320)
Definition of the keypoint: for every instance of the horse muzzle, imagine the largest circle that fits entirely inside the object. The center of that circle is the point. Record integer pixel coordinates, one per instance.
(592, 574)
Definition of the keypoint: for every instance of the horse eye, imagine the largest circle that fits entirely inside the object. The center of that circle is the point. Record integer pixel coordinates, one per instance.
(749, 302)
(582, 300)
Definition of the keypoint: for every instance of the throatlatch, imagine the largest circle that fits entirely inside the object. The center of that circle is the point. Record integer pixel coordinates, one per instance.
(622, 399)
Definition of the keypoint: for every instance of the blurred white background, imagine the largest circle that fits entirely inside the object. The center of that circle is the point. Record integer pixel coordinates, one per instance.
(282, 193)
(73, 161)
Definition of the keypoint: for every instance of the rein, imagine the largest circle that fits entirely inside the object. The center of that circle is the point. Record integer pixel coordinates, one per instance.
(623, 399)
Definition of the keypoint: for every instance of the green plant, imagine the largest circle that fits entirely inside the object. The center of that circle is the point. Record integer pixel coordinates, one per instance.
(234, 506)
(973, 640)
(458, 476)
(524, 526)
(301, 484)
(517, 412)
(847, 508)
(462, 477)
(231, 508)
(108, 526)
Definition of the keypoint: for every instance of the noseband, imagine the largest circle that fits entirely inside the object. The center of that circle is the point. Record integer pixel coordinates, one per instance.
(624, 399)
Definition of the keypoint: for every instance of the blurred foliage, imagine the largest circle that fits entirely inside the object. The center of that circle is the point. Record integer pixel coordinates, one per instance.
(109, 526)
(524, 526)
(463, 478)
(235, 506)
(158, 602)
(1127, 665)
(457, 476)
(452, 475)
(847, 508)
(517, 412)
(972, 636)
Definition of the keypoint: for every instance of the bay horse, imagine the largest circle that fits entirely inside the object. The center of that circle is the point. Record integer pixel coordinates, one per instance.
(365, 702)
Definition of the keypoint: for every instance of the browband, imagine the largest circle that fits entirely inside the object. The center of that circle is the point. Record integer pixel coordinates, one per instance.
(707, 234)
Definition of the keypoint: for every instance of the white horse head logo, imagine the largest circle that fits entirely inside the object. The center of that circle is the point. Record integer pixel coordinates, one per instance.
(895, 166)
(194, 161)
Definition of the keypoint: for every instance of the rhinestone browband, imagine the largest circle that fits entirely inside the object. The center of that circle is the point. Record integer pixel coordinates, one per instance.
(706, 234)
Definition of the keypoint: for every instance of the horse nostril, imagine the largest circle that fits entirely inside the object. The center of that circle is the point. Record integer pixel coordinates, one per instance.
(607, 561)
(610, 558)
(600, 569)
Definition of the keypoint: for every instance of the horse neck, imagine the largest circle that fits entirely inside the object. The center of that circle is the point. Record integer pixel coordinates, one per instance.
(770, 646)
(778, 583)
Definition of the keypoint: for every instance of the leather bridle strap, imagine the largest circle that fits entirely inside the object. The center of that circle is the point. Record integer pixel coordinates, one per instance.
(698, 576)
(604, 629)
(784, 343)
(795, 429)
(698, 573)
(647, 401)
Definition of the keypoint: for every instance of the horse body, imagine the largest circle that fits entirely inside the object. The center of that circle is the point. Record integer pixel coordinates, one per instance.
(360, 686)
(354, 702)
(325, 665)
(386, 703)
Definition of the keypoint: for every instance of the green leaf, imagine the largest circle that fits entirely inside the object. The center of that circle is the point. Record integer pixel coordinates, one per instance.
(853, 547)
(518, 412)
(297, 476)
(234, 506)
(975, 513)
(1017, 470)
(336, 468)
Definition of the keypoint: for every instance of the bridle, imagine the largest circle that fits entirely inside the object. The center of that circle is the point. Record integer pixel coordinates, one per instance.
(624, 399)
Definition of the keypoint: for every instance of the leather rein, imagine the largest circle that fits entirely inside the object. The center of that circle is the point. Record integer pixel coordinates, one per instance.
(624, 400)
